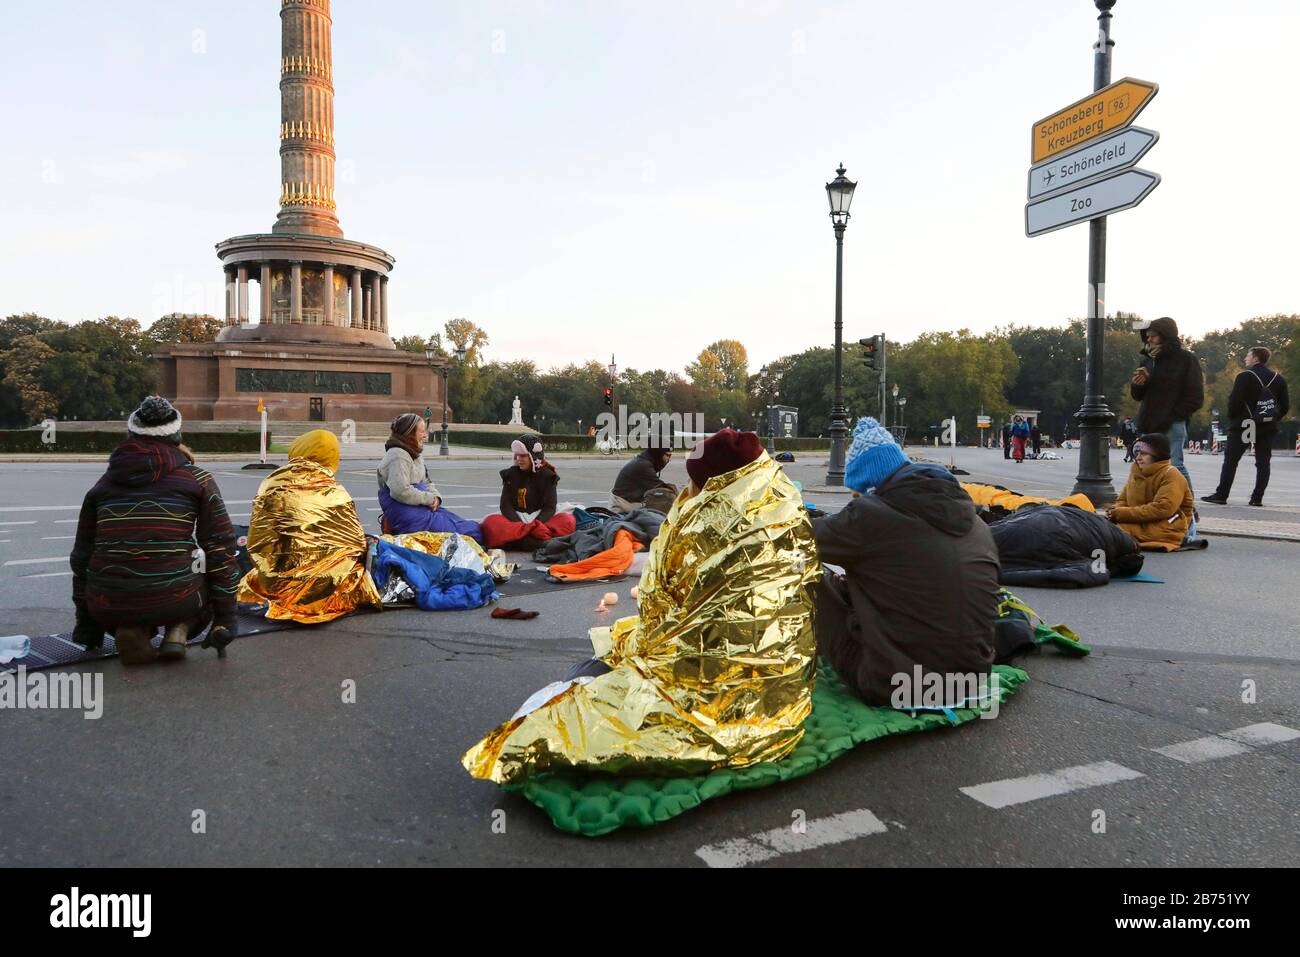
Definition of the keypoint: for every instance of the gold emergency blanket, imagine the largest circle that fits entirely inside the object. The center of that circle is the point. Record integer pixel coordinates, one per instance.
(307, 546)
(995, 497)
(717, 670)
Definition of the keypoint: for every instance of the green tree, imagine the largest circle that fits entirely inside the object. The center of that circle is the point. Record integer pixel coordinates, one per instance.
(24, 362)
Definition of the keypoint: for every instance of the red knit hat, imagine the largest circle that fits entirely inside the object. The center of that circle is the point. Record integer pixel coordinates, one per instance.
(722, 452)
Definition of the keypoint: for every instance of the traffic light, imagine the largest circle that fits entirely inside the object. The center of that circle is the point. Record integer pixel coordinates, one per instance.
(873, 352)
(609, 396)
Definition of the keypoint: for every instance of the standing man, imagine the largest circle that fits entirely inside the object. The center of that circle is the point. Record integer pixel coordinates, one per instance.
(1259, 397)
(1128, 434)
(1036, 436)
(1168, 383)
(1006, 440)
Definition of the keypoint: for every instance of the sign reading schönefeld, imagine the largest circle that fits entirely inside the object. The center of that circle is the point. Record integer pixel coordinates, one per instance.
(307, 380)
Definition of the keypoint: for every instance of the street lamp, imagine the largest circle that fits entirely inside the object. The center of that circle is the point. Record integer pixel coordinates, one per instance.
(840, 193)
(429, 353)
(902, 408)
(895, 404)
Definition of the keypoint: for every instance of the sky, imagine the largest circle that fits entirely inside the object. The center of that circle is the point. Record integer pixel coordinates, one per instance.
(584, 178)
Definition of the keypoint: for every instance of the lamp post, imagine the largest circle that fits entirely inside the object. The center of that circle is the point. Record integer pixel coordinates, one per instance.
(895, 394)
(430, 353)
(840, 193)
(902, 408)
(1094, 415)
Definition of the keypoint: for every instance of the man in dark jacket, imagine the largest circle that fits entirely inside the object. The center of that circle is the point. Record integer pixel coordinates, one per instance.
(921, 573)
(154, 547)
(1170, 387)
(1006, 440)
(639, 476)
(1249, 422)
(1128, 434)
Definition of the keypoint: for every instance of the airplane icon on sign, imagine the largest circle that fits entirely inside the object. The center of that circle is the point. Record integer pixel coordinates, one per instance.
(1048, 176)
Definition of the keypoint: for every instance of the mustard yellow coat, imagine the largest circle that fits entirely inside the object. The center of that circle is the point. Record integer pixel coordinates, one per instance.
(1155, 506)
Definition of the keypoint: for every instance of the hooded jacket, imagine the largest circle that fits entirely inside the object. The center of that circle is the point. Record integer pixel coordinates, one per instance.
(1155, 506)
(154, 544)
(920, 587)
(1174, 389)
(639, 476)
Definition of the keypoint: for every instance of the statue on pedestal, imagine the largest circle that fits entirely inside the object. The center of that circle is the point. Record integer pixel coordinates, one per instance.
(516, 413)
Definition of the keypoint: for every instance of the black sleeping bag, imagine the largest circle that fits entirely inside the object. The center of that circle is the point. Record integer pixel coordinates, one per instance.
(1057, 546)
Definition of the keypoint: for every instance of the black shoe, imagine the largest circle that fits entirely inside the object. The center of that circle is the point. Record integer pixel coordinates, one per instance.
(1256, 502)
(1215, 499)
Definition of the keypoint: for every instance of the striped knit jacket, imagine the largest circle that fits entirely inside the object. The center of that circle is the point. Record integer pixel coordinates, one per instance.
(154, 543)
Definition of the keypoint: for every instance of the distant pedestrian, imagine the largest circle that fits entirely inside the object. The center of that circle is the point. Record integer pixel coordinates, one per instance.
(1128, 434)
(1019, 435)
(1036, 436)
(1006, 440)
(1259, 400)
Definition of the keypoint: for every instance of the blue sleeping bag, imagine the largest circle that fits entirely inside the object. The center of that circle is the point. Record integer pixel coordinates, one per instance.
(437, 586)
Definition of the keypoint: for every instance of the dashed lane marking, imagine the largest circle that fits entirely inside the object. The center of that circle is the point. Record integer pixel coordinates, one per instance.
(36, 561)
(1229, 743)
(47, 575)
(784, 840)
(1009, 791)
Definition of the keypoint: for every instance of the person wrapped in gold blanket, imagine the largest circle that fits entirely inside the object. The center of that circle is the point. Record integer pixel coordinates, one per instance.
(717, 669)
(305, 539)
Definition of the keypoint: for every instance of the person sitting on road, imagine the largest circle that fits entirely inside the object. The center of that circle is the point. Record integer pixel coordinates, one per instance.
(1155, 505)
(920, 584)
(528, 501)
(638, 477)
(409, 502)
(305, 539)
(154, 546)
(717, 667)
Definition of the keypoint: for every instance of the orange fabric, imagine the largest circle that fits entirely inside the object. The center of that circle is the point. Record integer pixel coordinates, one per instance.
(612, 561)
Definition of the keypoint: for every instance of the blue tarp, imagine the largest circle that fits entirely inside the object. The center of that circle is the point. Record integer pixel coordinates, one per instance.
(437, 586)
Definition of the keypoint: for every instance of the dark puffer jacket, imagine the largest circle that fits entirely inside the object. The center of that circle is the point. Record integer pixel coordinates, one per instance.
(1174, 389)
(1062, 546)
(136, 560)
(920, 585)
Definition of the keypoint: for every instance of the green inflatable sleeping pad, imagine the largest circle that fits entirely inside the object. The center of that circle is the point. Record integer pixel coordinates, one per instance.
(594, 804)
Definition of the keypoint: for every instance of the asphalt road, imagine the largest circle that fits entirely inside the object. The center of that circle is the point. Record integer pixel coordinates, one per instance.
(285, 772)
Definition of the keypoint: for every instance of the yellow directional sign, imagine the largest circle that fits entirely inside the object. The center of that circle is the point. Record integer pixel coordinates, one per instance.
(1110, 108)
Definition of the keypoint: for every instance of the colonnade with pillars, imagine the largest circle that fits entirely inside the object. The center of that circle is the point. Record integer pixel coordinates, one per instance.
(366, 302)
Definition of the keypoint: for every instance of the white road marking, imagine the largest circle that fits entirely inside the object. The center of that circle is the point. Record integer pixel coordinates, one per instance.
(32, 522)
(47, 575)
(1004, 793)
(36, 561)
(783, 840)
(66, 521)
(1229, 743)
(56, 538)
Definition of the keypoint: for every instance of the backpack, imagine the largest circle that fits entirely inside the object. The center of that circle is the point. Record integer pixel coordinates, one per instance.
(1264, 409)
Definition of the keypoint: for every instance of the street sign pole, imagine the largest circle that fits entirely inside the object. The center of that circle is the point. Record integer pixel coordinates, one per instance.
(1094, 415)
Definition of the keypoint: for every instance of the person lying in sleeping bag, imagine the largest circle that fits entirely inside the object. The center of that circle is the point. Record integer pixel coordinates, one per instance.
(1155, 505)
(920, 583)
(305, 539)
(528, 501)
(717, 667)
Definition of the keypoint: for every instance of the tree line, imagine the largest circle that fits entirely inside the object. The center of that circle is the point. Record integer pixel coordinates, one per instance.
(99, 369)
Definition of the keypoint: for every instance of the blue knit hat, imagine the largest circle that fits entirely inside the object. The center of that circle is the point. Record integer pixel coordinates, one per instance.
(872, 456)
